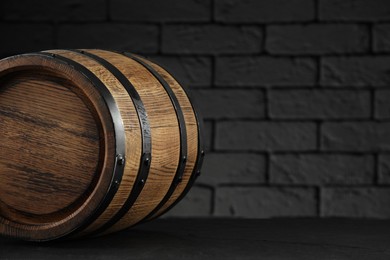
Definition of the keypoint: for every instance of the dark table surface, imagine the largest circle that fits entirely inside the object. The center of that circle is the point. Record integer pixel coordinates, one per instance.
(222, 239)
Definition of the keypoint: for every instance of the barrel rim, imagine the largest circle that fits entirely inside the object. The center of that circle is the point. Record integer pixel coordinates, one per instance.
(112, 155)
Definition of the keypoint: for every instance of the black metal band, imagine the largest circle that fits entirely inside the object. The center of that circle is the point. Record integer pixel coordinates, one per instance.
(182, 128)
(146, 140)
(200, 156)
(120, 151)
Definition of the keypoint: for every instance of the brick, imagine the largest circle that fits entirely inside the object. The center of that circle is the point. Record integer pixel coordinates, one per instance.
(265, 136)
(264, 202)
(382, 104)
(356, 71)
(197, 203)
(316, 39)
(207, 132)
(233, 168)
(319, 104)
(317, 169)
(355, 202)
(190, 71)
(381, 37)
(356, 136)
(161, 11)
(264, 71)
(354, 10)
(210, 39)
(133, 38)
(47, 10)
(254, 11)
(384, 169)
(229, 103)
(22, 38)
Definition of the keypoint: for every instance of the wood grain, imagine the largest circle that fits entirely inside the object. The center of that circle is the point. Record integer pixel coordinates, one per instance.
(51, 125)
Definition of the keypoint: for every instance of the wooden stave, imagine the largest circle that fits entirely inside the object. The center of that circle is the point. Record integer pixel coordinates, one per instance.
(179, 194)
(195, 173)
(124, 221)
(183, 135)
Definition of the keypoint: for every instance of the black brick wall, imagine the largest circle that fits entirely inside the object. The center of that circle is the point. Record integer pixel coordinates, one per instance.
(294, 92)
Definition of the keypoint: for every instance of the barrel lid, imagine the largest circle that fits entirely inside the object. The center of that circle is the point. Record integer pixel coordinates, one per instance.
(57, 153)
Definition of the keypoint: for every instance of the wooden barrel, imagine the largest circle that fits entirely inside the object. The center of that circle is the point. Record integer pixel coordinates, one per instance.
(92, 142)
